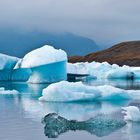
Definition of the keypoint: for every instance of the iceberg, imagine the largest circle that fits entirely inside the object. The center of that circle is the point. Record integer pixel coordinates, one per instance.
(77, 68)
(42, 56)
(7, 62)
(104, 70)
(46, 64)
(131, 113)
(21, 74)
(49, 73)
(65, 91)
(5, 74)
(43, 65)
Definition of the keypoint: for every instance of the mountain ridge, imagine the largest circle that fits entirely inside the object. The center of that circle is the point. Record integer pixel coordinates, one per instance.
(17, 43)
(125, 53)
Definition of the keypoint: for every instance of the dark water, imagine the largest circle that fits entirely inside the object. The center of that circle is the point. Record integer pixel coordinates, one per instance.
(23, 117)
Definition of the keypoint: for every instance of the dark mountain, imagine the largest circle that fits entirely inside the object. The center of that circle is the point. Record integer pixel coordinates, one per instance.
(126, 53)
(19, 43)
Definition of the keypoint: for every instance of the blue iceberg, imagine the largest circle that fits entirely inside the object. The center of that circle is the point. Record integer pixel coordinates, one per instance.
(43, 65)
(21, 74)
(49, 73)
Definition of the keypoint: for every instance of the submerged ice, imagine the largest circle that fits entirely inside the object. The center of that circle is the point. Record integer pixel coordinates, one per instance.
(65, 91)
(100, 126)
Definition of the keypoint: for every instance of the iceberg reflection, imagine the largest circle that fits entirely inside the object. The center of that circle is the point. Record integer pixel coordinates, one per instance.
(131, 131)
(79, 111)
(100, 126)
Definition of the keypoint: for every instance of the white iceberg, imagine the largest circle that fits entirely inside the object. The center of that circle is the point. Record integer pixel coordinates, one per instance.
(68, 92)
(3, 91)
(42, 56)
(104, 70)
(77, 68)
(131, 113)
(94, 68)
(7, 62)
(49, 73)
(65, 91)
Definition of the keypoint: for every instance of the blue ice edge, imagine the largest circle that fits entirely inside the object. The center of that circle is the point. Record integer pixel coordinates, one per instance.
(48, 73)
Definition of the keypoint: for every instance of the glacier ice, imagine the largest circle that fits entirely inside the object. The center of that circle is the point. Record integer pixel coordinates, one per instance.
(43, 65)
(131, 113)
(5, 74)
(65, 91)
(7, 62)
(42, 56)
(77, 68)
(16, 75)
(21, 74)
(46, 64)
(100, 126)
(104, 70)
(48, 73)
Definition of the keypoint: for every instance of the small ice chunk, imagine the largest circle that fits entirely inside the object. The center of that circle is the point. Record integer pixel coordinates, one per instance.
(3, 91)
(131, 113)
(2, 88)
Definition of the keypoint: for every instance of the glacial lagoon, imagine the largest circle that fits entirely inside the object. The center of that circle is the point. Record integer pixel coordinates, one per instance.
(24, 117)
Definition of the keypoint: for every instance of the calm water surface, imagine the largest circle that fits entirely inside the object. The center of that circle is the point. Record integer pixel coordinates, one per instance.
(21, 114)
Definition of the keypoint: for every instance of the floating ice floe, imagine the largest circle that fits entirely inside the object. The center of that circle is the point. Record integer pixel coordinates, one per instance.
(104, 70)
(3, 91)
(131, 113)
(68, 91)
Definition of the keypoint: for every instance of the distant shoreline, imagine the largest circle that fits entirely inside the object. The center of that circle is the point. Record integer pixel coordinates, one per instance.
(125, 53)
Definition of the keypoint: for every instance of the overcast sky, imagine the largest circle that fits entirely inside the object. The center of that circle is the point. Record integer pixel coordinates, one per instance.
(106, 21)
